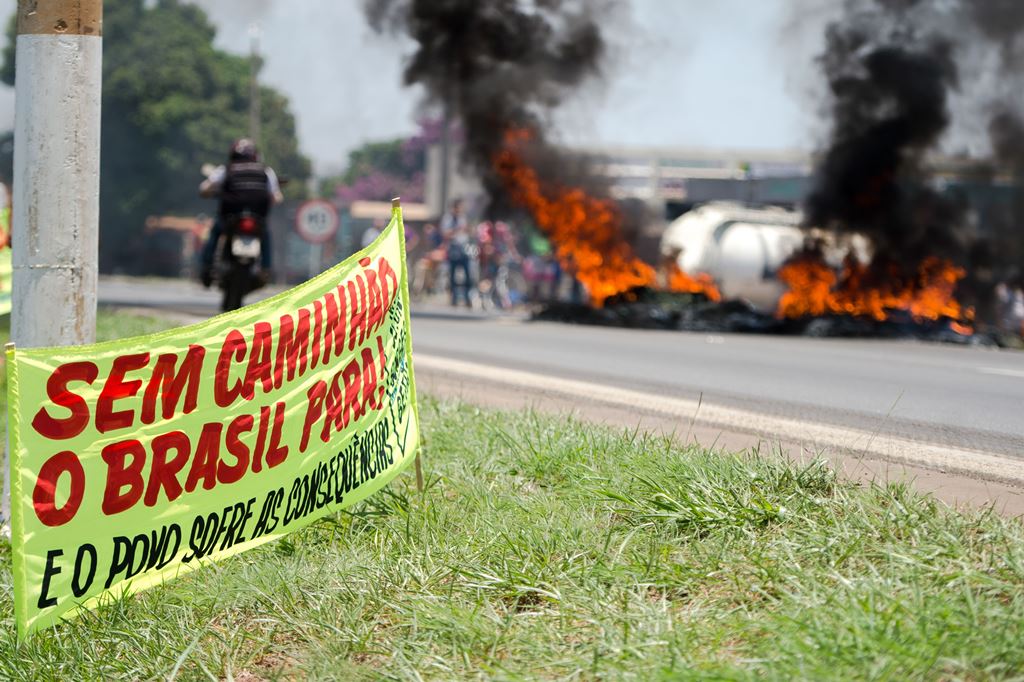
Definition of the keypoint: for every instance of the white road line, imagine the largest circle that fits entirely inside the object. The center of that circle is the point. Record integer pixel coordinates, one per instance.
(813, 435)
(1017, 373)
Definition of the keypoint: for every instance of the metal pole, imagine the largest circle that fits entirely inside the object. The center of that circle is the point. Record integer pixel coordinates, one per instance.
(59, 55)
(316, 260)
(255, 103)
(446, 152)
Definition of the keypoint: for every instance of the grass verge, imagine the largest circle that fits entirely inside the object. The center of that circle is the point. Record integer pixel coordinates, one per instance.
(548, 548)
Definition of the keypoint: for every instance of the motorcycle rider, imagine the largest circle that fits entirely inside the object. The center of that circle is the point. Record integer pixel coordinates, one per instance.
(244, 184)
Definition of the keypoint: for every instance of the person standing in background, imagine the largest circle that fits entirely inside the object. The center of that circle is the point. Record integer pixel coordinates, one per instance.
(455, 230)
(426, 272)
(371, 233)
(496, 253)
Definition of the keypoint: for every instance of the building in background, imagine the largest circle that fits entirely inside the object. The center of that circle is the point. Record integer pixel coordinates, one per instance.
(673, 181)
(670, 181)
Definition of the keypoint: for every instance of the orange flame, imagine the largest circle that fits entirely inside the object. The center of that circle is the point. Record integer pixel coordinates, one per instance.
(585, 230)
(814, 289)
(703, 283)
(810, 281)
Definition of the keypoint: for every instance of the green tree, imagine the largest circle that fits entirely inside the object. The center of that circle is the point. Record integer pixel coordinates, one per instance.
(385, 157)
(171, 102)
(377, 171)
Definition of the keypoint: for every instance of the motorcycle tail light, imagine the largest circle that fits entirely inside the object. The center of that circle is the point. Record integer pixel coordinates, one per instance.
(247, 226)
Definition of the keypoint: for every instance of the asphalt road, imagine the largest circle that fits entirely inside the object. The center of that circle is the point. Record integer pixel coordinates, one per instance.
(179, 296)
(969, 398)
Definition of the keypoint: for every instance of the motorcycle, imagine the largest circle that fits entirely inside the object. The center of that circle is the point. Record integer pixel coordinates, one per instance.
(240, 272)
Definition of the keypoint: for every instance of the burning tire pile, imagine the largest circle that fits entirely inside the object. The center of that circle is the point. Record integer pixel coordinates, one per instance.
(651, 309)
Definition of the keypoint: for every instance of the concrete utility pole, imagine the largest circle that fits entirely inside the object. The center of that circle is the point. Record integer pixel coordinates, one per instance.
(56, 175)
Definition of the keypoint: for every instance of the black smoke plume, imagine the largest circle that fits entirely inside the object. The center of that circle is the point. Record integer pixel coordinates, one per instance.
(890, 89)
(500, 65)
(893, 68)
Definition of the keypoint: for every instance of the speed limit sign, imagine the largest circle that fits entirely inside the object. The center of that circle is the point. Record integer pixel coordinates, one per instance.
(317, 221)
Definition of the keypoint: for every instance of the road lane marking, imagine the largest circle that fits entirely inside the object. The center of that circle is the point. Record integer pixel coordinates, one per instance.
(1017, 373)
(815, 436)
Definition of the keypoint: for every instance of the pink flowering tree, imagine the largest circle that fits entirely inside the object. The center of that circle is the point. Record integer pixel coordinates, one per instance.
(378, 171)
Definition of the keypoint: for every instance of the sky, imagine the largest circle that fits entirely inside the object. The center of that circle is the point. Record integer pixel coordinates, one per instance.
(728, 74)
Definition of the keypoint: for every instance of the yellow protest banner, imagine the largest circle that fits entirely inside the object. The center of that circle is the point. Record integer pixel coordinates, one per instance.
(135, 461)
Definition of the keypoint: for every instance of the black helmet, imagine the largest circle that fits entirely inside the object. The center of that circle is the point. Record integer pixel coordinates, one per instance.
(244, 150)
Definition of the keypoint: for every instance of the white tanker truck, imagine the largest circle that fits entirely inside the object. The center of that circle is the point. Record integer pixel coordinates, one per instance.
(743, 248)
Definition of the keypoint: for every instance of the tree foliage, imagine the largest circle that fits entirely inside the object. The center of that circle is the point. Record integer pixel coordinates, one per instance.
(386, 157)
(378, 171)
(171, 102)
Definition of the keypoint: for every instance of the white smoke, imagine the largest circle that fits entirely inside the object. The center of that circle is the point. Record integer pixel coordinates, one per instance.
(239, 10)
(344, 84)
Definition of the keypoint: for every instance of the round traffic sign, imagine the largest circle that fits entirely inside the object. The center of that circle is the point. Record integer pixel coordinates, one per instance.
(317, 221)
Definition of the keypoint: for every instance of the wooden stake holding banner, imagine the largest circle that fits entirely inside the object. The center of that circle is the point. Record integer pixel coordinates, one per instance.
(396, 204)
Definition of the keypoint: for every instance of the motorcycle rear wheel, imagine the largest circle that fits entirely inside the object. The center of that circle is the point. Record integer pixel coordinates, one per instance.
(236, 286)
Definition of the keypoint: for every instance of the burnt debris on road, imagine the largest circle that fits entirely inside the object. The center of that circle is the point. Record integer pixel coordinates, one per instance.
(645, 308)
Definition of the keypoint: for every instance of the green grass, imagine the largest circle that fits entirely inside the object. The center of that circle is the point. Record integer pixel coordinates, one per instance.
(111, 324)
(548, 548)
